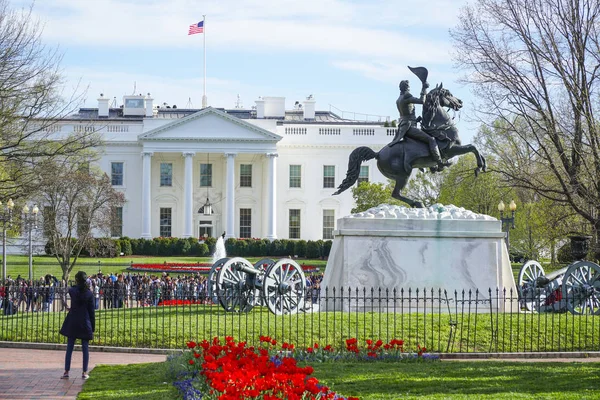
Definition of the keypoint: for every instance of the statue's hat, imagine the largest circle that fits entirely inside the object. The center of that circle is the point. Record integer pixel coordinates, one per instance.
(421, 72)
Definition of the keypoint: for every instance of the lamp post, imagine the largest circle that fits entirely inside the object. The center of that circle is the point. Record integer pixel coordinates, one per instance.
(5, 217)
(508, 223)
(30, 223)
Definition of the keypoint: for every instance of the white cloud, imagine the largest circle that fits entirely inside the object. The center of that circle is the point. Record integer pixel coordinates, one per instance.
(365, 28)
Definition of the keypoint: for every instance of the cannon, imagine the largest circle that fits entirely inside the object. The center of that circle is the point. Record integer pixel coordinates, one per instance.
(575, 288)
(238, 286)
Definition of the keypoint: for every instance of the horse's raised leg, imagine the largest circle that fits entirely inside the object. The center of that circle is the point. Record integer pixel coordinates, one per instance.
(401, 181)
(468, 148)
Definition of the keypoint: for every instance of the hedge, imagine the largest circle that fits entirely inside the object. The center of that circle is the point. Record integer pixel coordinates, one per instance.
(162, 246)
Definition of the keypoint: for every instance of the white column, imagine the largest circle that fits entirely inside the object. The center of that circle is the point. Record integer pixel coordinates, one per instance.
(146, 194)
(230, 194)
(188, 197)
(271, 198)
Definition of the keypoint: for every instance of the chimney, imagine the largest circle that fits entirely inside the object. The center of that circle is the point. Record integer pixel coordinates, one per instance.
(102, 106)
(309, 108)
(149, 106)
(260, 108)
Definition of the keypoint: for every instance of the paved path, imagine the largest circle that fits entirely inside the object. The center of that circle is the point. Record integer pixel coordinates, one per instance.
(34, 374)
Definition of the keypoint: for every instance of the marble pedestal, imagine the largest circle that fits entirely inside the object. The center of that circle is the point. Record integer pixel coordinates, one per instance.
(391, 252)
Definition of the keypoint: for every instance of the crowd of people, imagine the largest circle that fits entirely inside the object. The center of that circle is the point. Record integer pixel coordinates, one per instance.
(117, 291)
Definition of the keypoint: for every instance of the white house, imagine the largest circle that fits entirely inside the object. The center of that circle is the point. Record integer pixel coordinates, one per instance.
(266, 172)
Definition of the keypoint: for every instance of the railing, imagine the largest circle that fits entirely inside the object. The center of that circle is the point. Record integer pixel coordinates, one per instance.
(167, 316)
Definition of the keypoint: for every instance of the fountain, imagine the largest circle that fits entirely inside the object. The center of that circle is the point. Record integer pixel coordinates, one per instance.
(219, 249)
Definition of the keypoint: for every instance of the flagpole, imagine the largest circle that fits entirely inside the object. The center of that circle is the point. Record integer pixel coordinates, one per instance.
(204, 100)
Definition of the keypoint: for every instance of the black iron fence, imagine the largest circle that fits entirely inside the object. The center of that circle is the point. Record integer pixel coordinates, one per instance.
(167, 316)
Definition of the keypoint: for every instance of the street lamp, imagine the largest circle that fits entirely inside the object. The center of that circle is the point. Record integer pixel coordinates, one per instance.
(30, 223)
(5, 217)
(508, 223)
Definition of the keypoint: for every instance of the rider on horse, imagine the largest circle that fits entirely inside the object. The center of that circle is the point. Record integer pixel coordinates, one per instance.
(408, 121)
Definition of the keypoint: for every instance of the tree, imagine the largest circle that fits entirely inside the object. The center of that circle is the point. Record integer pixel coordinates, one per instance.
(369, 194)
(77, 203)
(534, 66)
(426, 187)
(32, 100)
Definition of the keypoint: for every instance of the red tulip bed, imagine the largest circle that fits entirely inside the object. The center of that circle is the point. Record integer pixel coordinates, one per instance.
(202, 268)
(230, 370)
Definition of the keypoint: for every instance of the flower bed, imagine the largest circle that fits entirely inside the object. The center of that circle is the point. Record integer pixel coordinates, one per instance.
(229, 370)
(203, 268)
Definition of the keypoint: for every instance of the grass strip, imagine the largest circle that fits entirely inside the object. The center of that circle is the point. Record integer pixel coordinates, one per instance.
(148, 381)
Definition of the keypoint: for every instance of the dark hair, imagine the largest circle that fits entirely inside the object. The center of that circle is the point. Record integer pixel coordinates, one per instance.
(81, 280)
(403, 85)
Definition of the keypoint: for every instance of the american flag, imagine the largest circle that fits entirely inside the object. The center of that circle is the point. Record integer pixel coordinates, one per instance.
(196, 28)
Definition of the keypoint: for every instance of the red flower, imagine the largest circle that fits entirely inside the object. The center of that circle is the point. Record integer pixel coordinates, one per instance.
(191, 345)
(191, 362)
(197, 355)
(309, 350)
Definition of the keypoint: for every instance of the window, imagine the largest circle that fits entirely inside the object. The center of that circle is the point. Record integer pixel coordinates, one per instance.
(49, 221)
(363, 176)
(329, 176)
(83, 222)
(328, 223)
(116, 229)
(295, 176)
(245, 175)
(294, 224)
(166, 174)
(165, 222)
(245, 222)
(116, 173)
(205, 175)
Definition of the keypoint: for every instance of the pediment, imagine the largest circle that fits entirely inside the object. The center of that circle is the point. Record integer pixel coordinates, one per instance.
(210, 124)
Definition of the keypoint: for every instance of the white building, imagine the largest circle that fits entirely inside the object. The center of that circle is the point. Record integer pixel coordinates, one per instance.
(266, 172)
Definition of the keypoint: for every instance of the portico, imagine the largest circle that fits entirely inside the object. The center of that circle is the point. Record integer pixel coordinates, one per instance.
(196, 157)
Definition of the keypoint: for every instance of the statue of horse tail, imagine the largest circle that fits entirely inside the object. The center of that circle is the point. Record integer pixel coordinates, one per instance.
(359, 155)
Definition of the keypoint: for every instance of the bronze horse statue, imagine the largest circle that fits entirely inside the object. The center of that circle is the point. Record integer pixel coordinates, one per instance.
(398, 161)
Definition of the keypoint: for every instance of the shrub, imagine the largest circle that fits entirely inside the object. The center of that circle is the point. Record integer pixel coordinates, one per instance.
(300, 248)
(202, 250)
(313, 249)
(276, 248)
(241, 248)
(126, 247)
(290, 248)
(230, 247)
(211, 242)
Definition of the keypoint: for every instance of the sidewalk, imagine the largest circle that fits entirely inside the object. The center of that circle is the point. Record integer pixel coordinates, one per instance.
(34, 374)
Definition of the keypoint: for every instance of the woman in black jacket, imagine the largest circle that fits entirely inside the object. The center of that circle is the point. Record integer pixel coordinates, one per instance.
(80, 322)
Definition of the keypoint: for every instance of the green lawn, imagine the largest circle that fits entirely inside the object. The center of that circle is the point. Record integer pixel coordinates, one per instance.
(387, 380)
(42, 265)
(172, 327)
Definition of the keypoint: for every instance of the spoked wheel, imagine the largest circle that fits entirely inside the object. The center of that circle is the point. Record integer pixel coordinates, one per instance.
(211, 281)
(284, 287)
(233, 291)
(531, 296)
(581, 288)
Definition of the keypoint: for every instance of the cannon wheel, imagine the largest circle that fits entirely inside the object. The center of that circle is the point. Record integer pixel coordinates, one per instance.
(581, 288)
(232, 288)
(284, 287)
(211, 283)
(528, 275)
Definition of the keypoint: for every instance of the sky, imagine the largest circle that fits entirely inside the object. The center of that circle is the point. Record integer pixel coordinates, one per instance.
(348, 54)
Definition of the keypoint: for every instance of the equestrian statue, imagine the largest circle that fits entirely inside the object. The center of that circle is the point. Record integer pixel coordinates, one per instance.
(429, 147)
